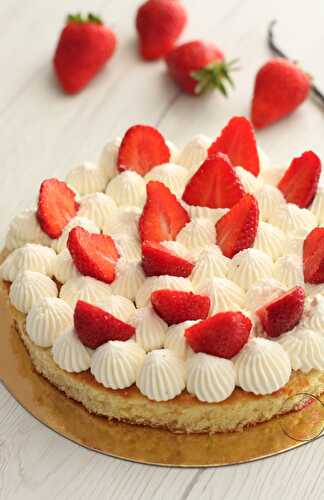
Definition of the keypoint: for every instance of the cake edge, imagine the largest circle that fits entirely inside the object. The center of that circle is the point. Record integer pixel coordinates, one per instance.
(183, 414)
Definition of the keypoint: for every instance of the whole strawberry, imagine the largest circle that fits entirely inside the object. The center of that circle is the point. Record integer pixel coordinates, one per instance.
(159, 24)
(280, 87)
(84, 47)
(198, 66)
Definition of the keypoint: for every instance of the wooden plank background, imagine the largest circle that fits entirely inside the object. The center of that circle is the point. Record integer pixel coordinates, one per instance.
(43, 133)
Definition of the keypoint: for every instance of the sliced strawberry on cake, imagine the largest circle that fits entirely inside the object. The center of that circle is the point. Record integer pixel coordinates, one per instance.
(175, 306)
(142, 148)
(158, 260)
(237, 141)
(313, 256)
(94, 255)
(95, 326)
(300, 181)
(163, 216)
(237, 229)
(283, 313)
(56, 206)
(222, 335)
(214, 185)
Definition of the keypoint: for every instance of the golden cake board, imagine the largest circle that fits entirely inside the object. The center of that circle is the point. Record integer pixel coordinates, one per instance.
(143, 444)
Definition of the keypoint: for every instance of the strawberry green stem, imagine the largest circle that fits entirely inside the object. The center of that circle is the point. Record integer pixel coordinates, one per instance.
(78, 18)
(215, 75)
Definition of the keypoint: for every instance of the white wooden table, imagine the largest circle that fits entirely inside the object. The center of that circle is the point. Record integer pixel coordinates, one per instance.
(43, 132)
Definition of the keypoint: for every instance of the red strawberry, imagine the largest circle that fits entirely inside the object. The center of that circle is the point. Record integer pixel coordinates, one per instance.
(222, 335)
(142, 148)
(158, 260)
(299, 183)
(159, 23)
(313, 256)
(237, 229)
(175, 306)
(214, 185)
(283, 313)
(95, 326)
(163, 216)
(237, 141)
(56, 206)
(280, 87)
(198, 66)
(93, 254)
(84, 47)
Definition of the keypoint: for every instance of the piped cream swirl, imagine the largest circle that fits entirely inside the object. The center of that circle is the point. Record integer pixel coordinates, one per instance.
(28, 288)
(24, 228)
(270, 240)
(176, 341)
(150, 328)
(290, 218)
(124, 221)
(249, 266)
(250, 182)
(262, 367)
(30, 257)
(194, 153)
(305, 349)
(171, 175)
(224, 295)
(97, 207)
(116, 364)
(162, 376)
(118, 306)
(197, 234)
(289, 270)
(210, 263)
(127, 189)
(70, 354)
(64, 267)
(129, 278)
(47, 320)
(87, 178)
(210, 378)
(84, 288)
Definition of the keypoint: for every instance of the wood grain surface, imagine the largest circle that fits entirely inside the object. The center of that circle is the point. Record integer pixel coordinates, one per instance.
(43, 133)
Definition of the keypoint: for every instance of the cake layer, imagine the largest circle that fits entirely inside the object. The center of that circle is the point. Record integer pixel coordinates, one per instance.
(183, 414)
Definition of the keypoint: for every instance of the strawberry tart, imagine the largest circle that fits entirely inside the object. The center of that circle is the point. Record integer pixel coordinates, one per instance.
(181, 289)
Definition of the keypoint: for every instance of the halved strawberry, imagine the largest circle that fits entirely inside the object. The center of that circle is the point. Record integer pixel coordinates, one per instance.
(283, 313)
(237, 229)
(163, 216)
(142, 148)
(222, 335)
(313, 256)
(175, 306)
(95, 326)
(94, 255)
(237, 141)
(56, 207)
(300, 181)
(214, 185)
(158, 260)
